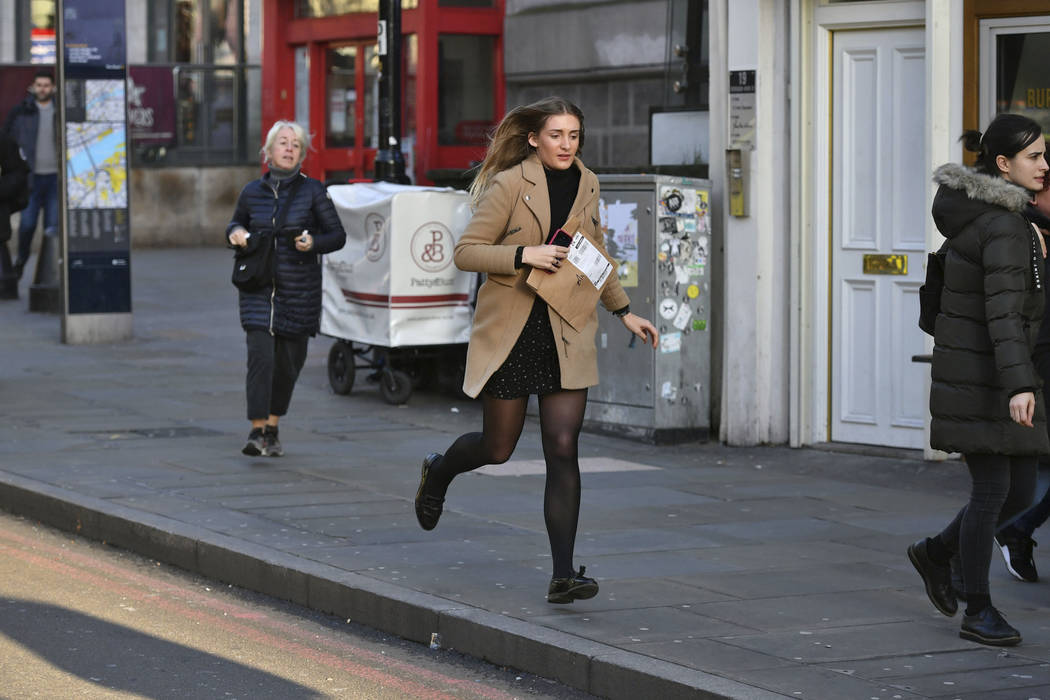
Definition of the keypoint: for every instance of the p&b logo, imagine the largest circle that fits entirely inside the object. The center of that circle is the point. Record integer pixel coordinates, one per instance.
(375, 229)
(432, 246)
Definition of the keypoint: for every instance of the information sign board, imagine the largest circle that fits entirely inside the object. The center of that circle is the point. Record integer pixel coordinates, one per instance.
(98, 246)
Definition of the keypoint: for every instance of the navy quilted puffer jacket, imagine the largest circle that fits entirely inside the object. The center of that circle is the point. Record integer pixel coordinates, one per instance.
(291, 306)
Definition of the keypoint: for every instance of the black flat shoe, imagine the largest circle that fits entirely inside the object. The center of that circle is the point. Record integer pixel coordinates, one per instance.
(937, 577)
(989, 627)
(575, 587)
(428, 508)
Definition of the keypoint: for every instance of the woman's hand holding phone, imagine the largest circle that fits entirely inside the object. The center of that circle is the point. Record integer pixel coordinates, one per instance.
(545, 257)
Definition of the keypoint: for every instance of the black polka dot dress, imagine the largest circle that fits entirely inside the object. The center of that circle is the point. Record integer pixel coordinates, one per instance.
(532, 365)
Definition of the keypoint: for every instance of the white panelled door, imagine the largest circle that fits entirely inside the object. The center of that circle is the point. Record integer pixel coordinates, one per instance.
(878, 218)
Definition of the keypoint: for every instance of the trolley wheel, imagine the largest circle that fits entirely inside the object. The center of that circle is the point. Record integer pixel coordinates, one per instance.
(395, 386)
(341, 367)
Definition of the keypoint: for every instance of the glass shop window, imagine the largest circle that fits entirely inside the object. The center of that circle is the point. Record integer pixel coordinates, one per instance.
(1021, 77)
(466, 109)
(341, 94)
(333, 8)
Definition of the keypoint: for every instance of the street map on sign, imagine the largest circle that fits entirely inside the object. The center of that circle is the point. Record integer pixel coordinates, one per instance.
(96, 166)
(96, 150)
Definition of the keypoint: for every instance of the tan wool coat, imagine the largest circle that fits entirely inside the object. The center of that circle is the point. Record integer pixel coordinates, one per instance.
(515, 211)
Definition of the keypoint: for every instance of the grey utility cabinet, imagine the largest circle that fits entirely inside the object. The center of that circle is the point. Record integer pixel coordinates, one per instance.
(658, 229)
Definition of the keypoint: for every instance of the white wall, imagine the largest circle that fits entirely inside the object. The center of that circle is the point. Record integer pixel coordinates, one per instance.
(7, 31)
(136, 23)
(754, 34)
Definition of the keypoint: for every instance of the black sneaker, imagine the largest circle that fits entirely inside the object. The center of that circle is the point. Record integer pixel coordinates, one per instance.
(989, 627)
(937, 577)
(271, 445)
(1017, 553)
(428, 508)
(255, 445)
(575, 587)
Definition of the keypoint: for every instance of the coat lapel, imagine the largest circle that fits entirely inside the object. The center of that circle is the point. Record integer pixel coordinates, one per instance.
(585, 194)
(534, 194)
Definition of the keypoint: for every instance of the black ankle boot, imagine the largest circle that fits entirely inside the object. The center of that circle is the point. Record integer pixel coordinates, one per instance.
(989, 627)
(428, 507)
(936, 577)
(575, 587)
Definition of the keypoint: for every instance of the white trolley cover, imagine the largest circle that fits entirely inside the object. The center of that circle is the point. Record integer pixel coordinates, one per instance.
(394, 282)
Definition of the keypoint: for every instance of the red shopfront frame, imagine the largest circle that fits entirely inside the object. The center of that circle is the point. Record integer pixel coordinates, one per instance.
(283, 33)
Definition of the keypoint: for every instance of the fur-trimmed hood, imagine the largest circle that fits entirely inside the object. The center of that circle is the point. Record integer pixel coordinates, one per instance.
(965, 194)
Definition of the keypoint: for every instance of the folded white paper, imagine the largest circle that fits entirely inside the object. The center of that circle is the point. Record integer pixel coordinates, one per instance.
(589, 260)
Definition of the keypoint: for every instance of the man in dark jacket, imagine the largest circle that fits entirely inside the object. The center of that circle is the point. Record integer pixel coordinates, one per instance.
(33, 124)
(14, 175)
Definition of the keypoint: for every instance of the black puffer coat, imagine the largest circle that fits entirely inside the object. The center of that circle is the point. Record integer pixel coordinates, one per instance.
(292, 305)
(991, 308)
(14, 172)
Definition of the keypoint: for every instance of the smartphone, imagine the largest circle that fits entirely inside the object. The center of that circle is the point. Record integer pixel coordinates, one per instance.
(560, 237)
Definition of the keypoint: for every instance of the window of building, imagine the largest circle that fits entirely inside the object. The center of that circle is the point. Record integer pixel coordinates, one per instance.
(202, 44)
(197, 31)
(466, 105)
(334, 8)
(341, 95)
(35, 35)
(1021, 85)
(688, 64)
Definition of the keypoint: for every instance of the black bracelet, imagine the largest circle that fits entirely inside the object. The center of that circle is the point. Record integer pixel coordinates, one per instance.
(620, 313)
(517, 257)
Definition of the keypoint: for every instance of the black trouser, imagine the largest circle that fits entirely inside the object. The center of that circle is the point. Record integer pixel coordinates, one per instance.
(1003, 486)
(274, 362)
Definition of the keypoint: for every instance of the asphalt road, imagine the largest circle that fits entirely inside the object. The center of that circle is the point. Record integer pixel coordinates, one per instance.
(81, 619)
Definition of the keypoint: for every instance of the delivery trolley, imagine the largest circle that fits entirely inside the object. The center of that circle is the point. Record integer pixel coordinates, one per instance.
(392, 298)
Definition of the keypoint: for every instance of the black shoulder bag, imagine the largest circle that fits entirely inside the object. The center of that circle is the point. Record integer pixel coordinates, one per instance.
(930, 292)
(253, 265)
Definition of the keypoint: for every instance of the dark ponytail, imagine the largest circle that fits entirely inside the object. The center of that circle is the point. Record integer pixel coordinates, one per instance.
(1007, 135)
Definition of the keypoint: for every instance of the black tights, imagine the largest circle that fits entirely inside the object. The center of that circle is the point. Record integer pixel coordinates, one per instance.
(561, 418)
(1002, 487)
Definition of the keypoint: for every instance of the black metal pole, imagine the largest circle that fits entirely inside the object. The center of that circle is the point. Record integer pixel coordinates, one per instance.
(390, 162)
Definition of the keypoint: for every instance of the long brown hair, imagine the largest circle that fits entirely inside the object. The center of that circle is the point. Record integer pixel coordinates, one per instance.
(509, 144)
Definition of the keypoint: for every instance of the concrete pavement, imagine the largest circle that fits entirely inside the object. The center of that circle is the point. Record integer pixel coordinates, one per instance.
(725, 572)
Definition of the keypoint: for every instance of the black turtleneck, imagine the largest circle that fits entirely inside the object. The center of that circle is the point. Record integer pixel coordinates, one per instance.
(281, 175)
(562, 186)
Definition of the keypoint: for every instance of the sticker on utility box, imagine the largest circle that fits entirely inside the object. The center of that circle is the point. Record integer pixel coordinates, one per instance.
(681, 319)
(670, 342)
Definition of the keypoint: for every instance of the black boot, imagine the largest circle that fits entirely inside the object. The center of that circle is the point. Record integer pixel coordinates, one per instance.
(989, 627)
(428, 507)
(937, 577)
(575, 587)
(8, 280)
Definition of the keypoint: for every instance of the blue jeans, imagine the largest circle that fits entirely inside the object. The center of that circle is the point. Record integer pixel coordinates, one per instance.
(1031, 518)
(43, 194)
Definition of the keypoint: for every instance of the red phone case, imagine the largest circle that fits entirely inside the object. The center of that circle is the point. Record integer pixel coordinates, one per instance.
(553, 240)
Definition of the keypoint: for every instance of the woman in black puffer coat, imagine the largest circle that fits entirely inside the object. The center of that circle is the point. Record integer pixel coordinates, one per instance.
(280, 318)
(986, 399)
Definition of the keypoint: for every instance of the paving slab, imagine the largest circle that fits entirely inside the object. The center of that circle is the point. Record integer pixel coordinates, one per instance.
(725, 572)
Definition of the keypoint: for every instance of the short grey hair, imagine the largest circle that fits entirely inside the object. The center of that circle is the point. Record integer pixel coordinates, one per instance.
(271, 137)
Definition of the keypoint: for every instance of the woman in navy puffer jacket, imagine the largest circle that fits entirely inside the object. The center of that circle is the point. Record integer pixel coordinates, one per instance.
(280, 318)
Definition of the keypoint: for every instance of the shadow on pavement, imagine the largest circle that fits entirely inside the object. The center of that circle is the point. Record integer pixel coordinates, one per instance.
(116, 657)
